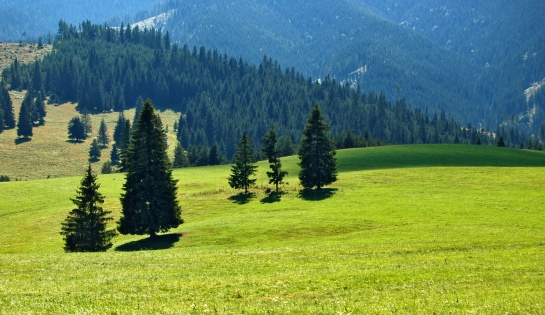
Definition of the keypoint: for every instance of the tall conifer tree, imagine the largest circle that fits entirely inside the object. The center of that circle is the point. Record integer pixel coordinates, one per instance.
(39, 105)
(114, 155)
(103, 137)
(84, 229)
(76, 129)
(25, 123)
(272, 152)
(118, 130)
(94, 151)
(149, 201)
(123, 145)
(244, 165)
(317, 154)
(180, 157)
(7, 106)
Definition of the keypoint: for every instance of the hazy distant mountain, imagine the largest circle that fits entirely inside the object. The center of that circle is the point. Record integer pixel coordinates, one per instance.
(22, 19)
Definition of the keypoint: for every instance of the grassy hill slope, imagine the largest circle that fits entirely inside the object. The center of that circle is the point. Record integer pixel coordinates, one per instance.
(49, 153)
(421, 234)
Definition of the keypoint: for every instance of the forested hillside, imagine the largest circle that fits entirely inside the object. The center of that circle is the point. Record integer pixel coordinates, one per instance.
(503, 40)
(472, 60)
(104, 69)
(333, 38)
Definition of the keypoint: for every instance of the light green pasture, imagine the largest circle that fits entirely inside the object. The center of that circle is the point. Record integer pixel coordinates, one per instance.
(406, 229)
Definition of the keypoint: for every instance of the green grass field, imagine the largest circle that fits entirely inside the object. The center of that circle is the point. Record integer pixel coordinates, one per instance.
(406, 229)
(49, 154)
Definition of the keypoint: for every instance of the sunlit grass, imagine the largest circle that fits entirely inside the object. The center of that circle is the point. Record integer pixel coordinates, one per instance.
(424, 234)
(49, 154)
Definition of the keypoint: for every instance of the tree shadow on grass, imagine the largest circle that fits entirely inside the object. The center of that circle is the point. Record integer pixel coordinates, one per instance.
(242, 198)
(18, 141)
(318, 194)
(73, 141)
(273, 196)
(164, 241)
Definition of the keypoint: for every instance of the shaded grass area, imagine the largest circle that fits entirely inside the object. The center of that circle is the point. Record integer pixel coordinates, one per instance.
(439, 155)
(393, 239)
(163, 241)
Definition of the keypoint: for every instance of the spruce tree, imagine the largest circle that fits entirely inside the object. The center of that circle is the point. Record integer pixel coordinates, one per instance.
(272, 152)
(28, 102)
(7, 106)
(39, 105)
(244, 165)
(123, 145)
(180, 157)
(94, 151)
(103, 137)
(87, 123)
(25, 124)
(114, 155)
(501, 143)
(76, 129)
(84, 229)
(149, 203)
(37, 78)
(214, 155)
(118, 130)
(106, 168)
(15, 79)
(317, 154)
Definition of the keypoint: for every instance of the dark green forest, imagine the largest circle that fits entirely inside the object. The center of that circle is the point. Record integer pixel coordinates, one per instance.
(220, 97)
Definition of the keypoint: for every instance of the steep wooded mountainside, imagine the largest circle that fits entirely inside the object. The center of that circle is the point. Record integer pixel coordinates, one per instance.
(334, 38)
(503, 40)
(472, 60)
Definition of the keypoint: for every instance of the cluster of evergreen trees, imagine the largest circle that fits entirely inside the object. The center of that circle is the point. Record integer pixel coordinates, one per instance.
(31, 114)
(316, 154)
(149, 203)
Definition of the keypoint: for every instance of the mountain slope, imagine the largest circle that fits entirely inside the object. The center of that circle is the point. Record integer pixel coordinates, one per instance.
(338, 38)
(503, 40)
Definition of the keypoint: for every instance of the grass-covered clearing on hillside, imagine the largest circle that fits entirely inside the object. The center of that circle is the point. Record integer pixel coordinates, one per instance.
(49, 154)
(405, 229)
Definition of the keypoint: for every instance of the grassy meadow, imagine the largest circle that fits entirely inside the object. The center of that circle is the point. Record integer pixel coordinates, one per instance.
(50, 154)
(406, 229)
